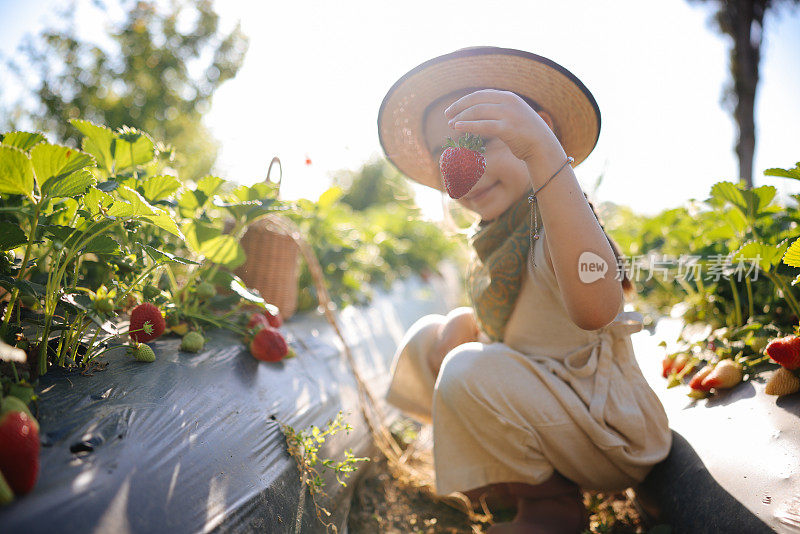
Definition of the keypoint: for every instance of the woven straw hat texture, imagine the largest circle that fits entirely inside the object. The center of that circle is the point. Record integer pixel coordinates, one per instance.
(556, 90)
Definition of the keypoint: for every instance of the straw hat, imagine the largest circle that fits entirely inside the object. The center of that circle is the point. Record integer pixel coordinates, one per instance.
(555, 89)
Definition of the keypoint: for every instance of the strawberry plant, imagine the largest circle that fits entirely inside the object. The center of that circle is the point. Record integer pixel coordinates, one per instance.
(362, 249)
(89, 233)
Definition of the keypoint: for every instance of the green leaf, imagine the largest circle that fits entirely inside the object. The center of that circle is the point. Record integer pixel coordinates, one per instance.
(196, 233)
(22, 140)
(329, 197)
(792, 256)
(16, 172)
(728, 191)
(161, 257)
(95, 200)
(163, 220)
(785, 173)
(235, 284)
(225, 250)
(765, 193)
(51, 162)
(160, 187)
(736, 219)
(210, 185)
(257, 191)
(188, 204)
(138, 141)
(757, 199)
(102, 244)
(25, 287)
(97, 141)
(134, 204)
(71, 185)
(11, 236)
(767, 256)
(59, 232)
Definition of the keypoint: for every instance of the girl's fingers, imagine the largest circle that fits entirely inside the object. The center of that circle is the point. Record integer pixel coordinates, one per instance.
(486, 128)
(478, 112)
(484, 96)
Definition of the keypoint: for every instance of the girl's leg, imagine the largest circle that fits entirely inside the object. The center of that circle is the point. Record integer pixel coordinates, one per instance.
(553, 507)
(496, 496)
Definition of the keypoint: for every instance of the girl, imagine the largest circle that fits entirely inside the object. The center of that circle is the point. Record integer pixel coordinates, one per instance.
(533, 391)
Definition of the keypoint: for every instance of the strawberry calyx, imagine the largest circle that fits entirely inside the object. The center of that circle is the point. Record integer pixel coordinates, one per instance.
(469, 141)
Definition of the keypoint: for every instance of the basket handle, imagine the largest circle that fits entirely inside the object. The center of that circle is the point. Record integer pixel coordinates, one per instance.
(275, 160)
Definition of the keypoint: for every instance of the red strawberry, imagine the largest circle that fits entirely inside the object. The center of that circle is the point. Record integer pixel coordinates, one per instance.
(268, 345)
(666, 365)
(19, 451)
(785, 351)
(147, 323)
(696, 382)
(273, 316)
(462, 164)
(725, 374)
(257, 319)
(680, 362)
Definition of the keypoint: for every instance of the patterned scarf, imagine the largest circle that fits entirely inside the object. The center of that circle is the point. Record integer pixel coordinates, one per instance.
(495, 277)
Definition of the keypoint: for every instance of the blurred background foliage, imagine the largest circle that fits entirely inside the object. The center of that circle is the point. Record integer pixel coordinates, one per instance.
(157, 70)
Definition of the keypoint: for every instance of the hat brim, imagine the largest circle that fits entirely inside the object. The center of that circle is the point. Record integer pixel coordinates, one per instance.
(556, 90)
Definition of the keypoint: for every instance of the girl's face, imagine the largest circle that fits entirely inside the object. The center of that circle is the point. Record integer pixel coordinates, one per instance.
(506, 178)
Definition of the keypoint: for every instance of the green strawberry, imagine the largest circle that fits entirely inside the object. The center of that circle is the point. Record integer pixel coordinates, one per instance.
(206, 290)
(143, 353)
(193, 342)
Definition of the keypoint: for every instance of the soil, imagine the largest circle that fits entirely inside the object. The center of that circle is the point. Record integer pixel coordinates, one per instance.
(387, 502)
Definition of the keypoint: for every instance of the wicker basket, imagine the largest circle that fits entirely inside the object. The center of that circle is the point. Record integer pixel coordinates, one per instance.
(272, 265)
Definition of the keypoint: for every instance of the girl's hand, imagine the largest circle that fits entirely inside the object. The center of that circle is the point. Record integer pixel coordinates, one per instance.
(460, 327)
(502, 114)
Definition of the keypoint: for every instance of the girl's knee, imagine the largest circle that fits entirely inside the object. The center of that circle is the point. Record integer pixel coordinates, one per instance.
(461, 369)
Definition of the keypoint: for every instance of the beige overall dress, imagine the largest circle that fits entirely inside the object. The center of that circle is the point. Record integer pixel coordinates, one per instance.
(552, 396)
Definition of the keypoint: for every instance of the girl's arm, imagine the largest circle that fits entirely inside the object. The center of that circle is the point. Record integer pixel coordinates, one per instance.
(572, 228)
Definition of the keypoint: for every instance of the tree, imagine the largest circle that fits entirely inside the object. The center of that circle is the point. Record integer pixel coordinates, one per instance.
(160, 77)
(743, 21)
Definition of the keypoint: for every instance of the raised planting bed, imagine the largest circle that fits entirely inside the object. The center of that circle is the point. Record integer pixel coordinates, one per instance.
(735, 460)
(192, 442)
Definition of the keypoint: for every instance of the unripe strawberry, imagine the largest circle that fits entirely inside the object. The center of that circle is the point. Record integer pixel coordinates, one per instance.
(782, 382)
(147, 323)
(19, 451)
(143, 353)
(725, 374)
(268, 345)
(104, 305)
(193, 342)
(206, 290)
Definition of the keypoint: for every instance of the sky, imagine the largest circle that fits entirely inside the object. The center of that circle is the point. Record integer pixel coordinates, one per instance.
(316, 73)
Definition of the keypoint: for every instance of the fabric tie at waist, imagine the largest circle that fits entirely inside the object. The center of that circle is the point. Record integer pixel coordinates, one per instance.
(600, 355)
